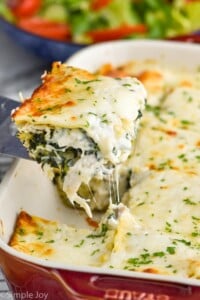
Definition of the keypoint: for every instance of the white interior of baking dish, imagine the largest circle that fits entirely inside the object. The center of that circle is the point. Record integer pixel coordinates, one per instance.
(26, 187)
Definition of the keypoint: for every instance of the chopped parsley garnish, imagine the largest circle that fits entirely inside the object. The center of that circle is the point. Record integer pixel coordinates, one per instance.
(94, 252)
(195, 218)
(143, 259)
(171, 250)
(159, 254)
(87, 124)
(102, 233)
(195, 234)
(154, 109)
(141, 203)
(86, 81)
(126, 84)
(80, 244)
(188, 201)
(39, 234)
(21, 231)
(186, 122)
(147, 258)
(91, 113)
(129, 233)
(183, 157)
(104, 119)
(187, 243)
(168, 227)
(164, 165)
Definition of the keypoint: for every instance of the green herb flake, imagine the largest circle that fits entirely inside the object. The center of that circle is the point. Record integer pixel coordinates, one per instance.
(164, 165)
(104, 119)
(187, 243)
(87, 124)
(80, 244)
(78, 81)
(195, 234)
(159, 254)
(126, 84)
(171, 250)
(92, 113)
(129, 233)
(144, 259)
(141, 203)
(21, 231)
(195, 218)
(88, 88)
(188, 201)
(39, 234)
(81, 99)
(183, 157)
(102, 233)
(154, 109)
(94, 252)
(168, 227)
(186, 122)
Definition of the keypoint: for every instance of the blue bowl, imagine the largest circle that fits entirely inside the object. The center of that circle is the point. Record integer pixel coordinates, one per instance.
(49, 50)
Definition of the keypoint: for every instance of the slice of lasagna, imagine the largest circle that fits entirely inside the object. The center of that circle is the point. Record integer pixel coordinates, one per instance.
(79, 126)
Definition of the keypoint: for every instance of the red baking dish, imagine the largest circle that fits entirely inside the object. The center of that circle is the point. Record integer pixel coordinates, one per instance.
(26, 187)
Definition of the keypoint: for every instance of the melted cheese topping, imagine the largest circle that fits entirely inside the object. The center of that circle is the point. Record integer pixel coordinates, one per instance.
(51, 240)
(159, 232)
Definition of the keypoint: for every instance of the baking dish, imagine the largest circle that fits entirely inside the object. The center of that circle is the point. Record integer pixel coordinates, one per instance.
(25, 187)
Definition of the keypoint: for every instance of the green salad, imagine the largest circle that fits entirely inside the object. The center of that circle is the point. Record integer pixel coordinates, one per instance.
(91, 21)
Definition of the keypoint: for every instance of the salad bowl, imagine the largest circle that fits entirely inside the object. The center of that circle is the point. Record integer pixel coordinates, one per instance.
(54, 31)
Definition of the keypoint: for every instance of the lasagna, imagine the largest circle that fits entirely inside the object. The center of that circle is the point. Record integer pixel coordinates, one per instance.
(81, 127)
(156, 228)
(52, 240)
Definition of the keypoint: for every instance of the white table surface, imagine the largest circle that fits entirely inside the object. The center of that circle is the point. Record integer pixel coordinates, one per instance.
(19, 72)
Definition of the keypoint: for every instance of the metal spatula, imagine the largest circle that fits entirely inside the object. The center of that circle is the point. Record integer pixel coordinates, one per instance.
(9, 143)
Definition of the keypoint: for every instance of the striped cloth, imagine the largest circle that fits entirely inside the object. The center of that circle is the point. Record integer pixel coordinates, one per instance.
(5, 294)
(4, 165)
